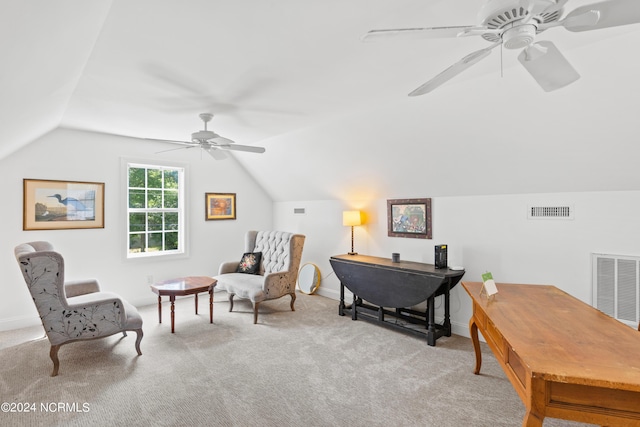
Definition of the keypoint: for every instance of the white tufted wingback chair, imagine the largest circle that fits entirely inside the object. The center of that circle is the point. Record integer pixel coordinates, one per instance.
(72, 311)
(276, 276)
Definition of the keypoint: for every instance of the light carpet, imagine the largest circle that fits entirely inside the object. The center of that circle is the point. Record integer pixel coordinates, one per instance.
(307, 368)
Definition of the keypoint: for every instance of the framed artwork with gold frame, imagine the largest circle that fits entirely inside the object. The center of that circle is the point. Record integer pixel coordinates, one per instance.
(220, 206)
(61, 205)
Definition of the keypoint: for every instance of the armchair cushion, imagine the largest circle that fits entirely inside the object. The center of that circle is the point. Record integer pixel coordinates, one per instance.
(250, 263)
(74, 288)
(246, 286)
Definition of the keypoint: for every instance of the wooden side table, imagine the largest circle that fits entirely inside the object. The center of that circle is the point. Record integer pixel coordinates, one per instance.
(191, 285)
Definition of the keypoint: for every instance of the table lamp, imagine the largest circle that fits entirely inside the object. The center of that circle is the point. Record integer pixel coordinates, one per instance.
(351, 219)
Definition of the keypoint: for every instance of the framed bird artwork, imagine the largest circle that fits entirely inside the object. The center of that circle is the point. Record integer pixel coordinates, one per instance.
(57, 205)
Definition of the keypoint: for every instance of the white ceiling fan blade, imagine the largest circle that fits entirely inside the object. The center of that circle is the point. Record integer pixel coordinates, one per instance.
(479, 31)
(416, 33)
(215, 153)
(172, 141)
(548, 66)
(613, 13)
(236, 147)
(221, 140)
(583, 20)
(174, 149)
(453, 70)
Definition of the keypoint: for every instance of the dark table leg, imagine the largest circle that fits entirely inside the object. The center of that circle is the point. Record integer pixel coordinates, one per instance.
(341, 305)
(447, 321)
(211, 305)
(354, 310)
(172, 298)
(431, 331)
(196, 303)
(159, 309)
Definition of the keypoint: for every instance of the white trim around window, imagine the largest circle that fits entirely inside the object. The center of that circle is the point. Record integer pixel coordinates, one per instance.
(155, 207)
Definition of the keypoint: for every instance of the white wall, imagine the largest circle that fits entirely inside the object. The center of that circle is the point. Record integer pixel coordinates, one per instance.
(483, 233)
(82, 156)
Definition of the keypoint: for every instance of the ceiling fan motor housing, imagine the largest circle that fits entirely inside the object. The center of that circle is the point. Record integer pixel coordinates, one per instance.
(203, 135)
(508, 15)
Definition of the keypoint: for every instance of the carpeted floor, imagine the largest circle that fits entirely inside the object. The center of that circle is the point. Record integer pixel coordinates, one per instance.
(306, 368)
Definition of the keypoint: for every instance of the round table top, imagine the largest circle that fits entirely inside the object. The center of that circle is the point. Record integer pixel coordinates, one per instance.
(184, 285)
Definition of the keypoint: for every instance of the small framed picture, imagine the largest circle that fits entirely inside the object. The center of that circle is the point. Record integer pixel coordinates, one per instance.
(60, 205)
(409, 218)
(220, 206)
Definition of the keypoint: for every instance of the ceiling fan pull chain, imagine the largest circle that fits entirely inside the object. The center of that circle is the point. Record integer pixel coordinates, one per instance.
(501, 63)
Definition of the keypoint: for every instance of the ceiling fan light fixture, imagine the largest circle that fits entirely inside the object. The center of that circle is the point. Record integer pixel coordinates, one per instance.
(519, 36)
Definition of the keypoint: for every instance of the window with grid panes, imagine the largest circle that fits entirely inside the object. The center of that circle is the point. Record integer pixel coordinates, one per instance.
(155, 210)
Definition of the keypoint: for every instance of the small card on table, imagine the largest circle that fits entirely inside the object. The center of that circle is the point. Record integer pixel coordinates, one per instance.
(488, 284)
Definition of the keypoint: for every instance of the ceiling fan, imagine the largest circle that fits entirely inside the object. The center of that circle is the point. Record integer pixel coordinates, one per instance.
(211, 142)
(514, 24)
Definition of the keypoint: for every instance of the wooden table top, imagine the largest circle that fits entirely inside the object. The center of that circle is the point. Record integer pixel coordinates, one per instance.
(561, 338)
(184, 285)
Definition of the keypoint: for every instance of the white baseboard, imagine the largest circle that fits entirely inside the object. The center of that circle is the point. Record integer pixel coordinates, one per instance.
(19, 322)
(333, 294)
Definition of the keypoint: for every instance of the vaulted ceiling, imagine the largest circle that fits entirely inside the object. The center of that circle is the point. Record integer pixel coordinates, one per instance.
(333, 112)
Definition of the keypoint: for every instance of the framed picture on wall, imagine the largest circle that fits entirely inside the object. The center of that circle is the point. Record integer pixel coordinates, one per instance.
(60, 205)
(220, 206)
(409, 218)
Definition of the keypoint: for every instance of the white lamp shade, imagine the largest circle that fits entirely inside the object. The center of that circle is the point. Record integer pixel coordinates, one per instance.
(351, 218)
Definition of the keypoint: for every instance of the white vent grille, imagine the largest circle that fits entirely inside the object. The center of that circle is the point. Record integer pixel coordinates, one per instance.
(550, 212)
(616, 286)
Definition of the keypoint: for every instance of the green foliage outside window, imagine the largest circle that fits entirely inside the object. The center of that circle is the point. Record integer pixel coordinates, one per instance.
(154, 209)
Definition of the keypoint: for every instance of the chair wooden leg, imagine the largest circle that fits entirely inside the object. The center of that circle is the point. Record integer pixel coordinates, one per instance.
(255, 312)
(138, 340)
(53, 354)
(293, 299)
(231, 301)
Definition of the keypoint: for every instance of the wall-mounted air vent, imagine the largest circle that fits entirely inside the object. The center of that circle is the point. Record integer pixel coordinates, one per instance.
(550, 212)
(616, 286)
(298, 211)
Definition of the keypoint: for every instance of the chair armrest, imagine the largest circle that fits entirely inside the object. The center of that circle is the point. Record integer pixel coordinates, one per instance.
(74, 288)
(228, 267)
(278, 283)
(99, 306)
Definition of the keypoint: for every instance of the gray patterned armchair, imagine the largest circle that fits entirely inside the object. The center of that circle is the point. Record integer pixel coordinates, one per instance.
(275, 273)
(72, 311)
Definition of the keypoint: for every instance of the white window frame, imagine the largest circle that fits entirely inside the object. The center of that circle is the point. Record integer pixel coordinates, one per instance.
(127, 164)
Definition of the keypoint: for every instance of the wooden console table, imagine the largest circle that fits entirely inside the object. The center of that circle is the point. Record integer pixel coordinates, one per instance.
(564, 358)
(378, 284)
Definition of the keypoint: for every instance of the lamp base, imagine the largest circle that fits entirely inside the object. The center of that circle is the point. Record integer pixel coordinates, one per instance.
(352, 253)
